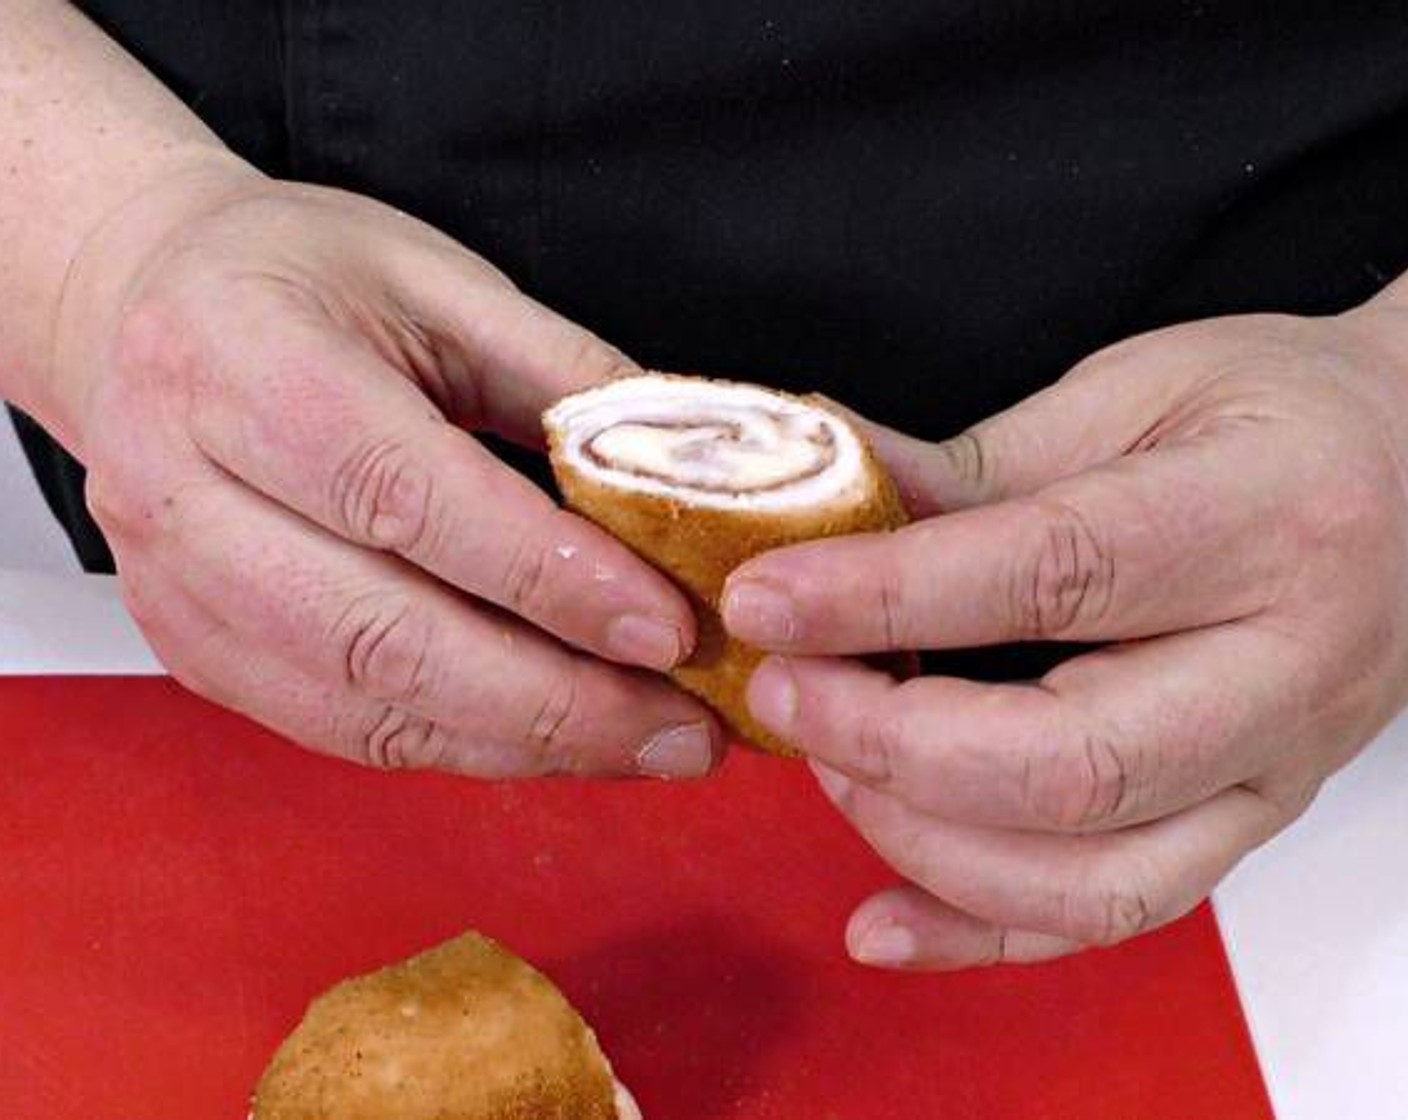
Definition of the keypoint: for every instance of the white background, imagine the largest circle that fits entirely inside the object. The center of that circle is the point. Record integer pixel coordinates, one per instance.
(29, 537)
(1316, 924)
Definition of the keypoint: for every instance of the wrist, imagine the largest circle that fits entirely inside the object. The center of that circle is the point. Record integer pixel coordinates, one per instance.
(105, 266)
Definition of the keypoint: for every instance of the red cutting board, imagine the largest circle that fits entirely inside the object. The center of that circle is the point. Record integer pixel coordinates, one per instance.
(175, 884)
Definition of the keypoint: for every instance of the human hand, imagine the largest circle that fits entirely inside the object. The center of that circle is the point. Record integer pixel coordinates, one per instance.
(1225, 503)
(271, 386)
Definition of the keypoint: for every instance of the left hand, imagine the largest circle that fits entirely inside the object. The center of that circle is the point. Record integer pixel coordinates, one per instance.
(1226, 502)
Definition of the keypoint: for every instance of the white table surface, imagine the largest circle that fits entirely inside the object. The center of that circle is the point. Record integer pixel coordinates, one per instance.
(1316, 923)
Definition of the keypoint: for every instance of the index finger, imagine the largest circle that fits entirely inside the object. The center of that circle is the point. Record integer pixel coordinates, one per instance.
(1154, 543)
(319, 423)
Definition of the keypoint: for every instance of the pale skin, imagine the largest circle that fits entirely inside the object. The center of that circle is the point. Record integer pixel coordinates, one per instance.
(1226, 504)
(275, 388)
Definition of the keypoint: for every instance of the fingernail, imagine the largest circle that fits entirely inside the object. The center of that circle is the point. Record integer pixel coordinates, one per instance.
(759, 614)
(887, 943)
(642, 640)
(772, 695)
(686, 751)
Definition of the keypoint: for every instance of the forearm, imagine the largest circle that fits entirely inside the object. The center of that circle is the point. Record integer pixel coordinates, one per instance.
(83, 130)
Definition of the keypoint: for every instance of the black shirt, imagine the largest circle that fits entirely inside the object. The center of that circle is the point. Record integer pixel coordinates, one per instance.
(925, 208)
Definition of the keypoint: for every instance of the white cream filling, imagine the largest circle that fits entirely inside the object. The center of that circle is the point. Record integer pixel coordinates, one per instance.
(746, 455)
(715, 444)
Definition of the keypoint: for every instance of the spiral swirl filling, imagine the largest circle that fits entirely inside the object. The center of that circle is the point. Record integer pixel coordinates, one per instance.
(715, 443)
(723, 455)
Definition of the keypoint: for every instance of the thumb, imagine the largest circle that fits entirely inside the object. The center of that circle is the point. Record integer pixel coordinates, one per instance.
(1109, 405)
(924, 472)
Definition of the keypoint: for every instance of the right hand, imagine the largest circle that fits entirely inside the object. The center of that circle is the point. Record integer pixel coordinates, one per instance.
(271, 386)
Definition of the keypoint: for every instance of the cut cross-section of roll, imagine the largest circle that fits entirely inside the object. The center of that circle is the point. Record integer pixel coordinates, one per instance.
(466, 1031)
(698, 476)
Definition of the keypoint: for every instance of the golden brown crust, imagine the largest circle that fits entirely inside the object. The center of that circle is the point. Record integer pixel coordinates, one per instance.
(699, 546)
(465, 1031)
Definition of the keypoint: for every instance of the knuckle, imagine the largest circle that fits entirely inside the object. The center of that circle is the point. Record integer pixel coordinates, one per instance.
(1082, 785)
(1108, 910)
(969, 459)
(383, 494)
(1065, 580)
(552, 731)
(385, 649)
(525, 586)
(394, 739)
(153, 513)
(893, 616)
(1110, 362)
(107, 502)
(122, 498)
(880, 741)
